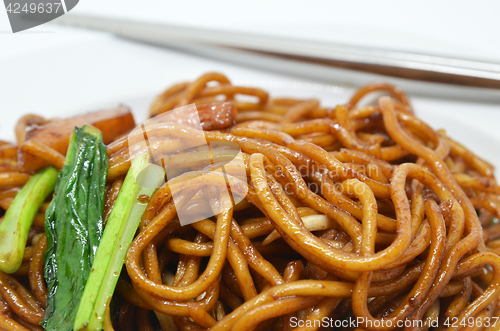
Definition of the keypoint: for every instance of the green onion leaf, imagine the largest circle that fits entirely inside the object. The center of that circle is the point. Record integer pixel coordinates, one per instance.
(74, 225)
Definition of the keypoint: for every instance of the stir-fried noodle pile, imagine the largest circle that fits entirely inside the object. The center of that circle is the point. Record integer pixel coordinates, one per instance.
(354, 212)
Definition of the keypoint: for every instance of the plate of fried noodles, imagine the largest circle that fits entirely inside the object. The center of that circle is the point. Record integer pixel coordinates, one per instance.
(250, 212)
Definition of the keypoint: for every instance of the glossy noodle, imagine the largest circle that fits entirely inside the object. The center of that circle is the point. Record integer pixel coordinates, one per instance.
(356, 212)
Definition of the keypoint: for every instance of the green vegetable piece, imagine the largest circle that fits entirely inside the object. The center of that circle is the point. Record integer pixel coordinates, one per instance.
(19, 218)
(74, 225)
(143, 178)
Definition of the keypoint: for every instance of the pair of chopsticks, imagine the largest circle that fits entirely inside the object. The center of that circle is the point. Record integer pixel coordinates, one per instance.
(216, 44)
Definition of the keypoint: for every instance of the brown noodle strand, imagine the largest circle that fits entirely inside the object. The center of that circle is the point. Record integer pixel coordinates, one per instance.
(37, 282)
(15, 295)
(45, 153)
(9, 324)
(13, 179)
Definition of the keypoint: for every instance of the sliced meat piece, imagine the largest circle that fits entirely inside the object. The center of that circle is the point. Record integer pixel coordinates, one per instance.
(55, 134)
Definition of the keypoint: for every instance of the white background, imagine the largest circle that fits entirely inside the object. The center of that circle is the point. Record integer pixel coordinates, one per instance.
(58, 71)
